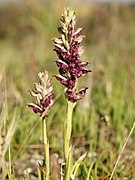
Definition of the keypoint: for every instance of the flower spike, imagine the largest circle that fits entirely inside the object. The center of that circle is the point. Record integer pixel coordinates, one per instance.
(43, 94)
(69, 51)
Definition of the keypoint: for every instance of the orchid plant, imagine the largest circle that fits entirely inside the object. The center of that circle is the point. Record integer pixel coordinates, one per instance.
(43, 94)
(71, 68)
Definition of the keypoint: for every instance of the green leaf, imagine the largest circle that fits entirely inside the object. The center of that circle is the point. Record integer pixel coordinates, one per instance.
(89, 171)
(77, 164)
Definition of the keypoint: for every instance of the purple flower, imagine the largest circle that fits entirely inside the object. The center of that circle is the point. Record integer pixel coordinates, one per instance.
(62, 79)
(74, 96)
(35, 108)
(62, 65)
(43, 94)
(69, 51)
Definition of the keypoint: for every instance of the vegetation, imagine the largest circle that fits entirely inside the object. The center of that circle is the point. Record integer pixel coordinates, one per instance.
(101, 121)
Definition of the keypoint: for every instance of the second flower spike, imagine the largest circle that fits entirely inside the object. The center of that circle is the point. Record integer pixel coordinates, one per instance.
(43, 94)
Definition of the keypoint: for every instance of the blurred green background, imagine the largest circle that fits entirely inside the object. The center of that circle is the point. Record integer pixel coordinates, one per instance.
(103, 119)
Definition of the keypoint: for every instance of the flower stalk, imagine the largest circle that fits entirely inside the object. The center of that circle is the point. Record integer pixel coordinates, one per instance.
(43, 94)
(46, 149)
(68, 165)
(68, 128)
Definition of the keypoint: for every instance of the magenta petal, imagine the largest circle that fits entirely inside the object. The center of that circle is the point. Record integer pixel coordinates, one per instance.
(68, 56)
(82, 92)
(83, 64)
(73, 97)
(70, 95)
(35, 108)
(85, 72)
(71, 83)
(48, 101)
(62, 80)
(61, 64)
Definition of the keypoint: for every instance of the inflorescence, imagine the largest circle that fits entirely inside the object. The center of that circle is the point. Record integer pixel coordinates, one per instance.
(69, 51)
(43, 94)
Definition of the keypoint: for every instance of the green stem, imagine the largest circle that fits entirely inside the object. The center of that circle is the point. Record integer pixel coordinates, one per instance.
(68, 165)
(46, 149)
(67, 137)
(68, 129)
